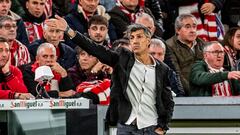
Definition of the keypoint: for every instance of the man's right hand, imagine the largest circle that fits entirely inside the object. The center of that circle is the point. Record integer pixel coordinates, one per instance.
(234, 75)
(24, 96)
(60, 23)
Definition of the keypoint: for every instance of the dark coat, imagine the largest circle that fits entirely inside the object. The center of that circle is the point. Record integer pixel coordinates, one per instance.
(122, 61)
(67, 56)
(183, 58)
(201, 80)
(121, 21)
(28, 78)
(77, 22)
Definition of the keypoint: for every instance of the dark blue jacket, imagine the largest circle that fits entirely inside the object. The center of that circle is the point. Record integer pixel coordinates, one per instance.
(67, 56)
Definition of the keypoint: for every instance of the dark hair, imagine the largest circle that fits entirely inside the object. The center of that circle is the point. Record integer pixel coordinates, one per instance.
(78, 50)
(135, 27)
(227, 41)
(98, 19)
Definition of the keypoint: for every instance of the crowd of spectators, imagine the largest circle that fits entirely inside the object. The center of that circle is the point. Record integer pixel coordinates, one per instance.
(198, 39)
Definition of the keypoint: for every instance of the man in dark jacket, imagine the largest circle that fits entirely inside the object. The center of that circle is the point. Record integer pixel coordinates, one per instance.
(46, 56)
(66, 56)
(136, 74)
(209, 78)
(186, 47)
(79, 17)
(125, 13)
(158, 49)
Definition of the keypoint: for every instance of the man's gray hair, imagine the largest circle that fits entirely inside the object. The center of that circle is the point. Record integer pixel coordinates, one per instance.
(209, 44)
(135, 27)
(144, 16)
(158, 43)
(5, 18)
(180, 18)
(46, 45)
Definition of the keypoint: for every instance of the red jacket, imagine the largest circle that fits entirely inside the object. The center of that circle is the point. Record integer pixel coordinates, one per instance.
(11, 84)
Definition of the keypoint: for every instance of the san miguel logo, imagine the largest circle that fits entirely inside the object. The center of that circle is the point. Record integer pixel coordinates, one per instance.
(64, 104)
(24, 104)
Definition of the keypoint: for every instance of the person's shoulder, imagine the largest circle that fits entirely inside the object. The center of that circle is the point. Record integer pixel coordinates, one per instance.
(171, 41)
(199, 63)
(161, 64)
(67, 50)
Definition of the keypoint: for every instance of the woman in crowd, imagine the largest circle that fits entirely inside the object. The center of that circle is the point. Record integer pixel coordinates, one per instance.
(231, 44)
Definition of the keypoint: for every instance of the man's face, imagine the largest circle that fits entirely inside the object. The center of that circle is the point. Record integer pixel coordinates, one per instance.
(236, 40)
(46, 57)
(4, 54)
(5, 6)
(157, 52)
(89, 5)
(214, 56)
(139, 42)
(130, 4)
(147, 23)
(8, 30)
(53, 35)
(87, 61)
(188, 32)
(98, 32)
(35, 7)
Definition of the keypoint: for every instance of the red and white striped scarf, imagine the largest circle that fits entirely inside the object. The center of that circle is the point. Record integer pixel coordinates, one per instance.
(221, 88)
(98, 87)
(85, 13)
(210, 29)
(34, 31)
(48, 8)
(131, 16)
(19, 54)
(231, 55)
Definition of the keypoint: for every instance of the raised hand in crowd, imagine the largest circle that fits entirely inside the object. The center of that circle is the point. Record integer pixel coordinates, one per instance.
(207, 8)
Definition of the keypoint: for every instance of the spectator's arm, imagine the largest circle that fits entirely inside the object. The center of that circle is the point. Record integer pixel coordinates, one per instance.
(199, 75)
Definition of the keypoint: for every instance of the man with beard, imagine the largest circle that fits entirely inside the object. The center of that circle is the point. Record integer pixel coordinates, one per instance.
(209, 78)
(78, 19)
(98, 29)
(66, 56)
(186, 47)
(11, 83)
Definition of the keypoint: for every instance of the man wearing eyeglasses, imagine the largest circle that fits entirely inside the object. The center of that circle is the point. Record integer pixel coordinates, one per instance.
(5, 6)
(19, 52)
(209, 78)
